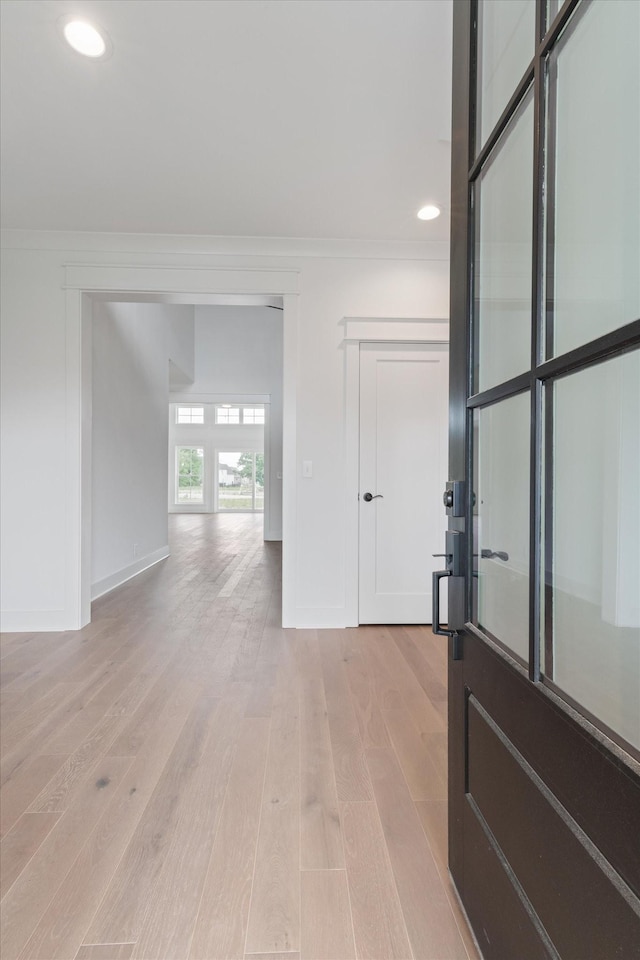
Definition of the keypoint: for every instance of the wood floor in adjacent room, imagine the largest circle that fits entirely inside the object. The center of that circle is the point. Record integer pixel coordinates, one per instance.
(185, 779)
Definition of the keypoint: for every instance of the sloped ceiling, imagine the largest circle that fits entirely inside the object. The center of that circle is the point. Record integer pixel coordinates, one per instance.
(290, 118)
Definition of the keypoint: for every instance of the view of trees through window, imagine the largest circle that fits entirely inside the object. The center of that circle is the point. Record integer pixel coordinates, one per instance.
(241, 481)
(190, 474)
(207, 479)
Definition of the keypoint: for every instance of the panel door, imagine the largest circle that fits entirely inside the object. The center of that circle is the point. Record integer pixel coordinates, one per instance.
(403, 465)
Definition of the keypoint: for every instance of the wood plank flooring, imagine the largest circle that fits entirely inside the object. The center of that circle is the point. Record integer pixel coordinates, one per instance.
(185, 780)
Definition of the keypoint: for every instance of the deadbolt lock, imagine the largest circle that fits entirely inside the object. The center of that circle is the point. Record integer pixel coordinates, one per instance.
(453, 498)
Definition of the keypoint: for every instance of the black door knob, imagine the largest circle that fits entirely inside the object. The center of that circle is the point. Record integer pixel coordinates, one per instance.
(371, 496)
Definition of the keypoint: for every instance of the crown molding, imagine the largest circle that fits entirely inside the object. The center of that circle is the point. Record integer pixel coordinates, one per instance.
(71, 243)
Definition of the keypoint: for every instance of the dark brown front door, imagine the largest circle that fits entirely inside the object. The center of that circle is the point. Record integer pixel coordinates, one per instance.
(544, 599)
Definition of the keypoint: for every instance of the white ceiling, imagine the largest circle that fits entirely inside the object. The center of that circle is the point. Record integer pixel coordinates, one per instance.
(289, 118)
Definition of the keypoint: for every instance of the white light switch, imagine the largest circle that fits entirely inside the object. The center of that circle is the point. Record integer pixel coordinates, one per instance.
(307, 468)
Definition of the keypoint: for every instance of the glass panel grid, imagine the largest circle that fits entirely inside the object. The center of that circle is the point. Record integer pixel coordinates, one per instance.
(253, 415)
(503, 196)
(592, 184)
(236, 415)
(581, 305)
(190, 415)
(501, 522)
(593, 529)
(506, 43)
(228, 415)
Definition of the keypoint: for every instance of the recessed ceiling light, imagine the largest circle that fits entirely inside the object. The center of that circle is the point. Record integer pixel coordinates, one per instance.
(430, 212)
(86, 39)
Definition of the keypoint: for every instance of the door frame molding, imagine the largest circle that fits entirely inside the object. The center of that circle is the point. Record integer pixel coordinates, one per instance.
(85, 281)
(359, 330)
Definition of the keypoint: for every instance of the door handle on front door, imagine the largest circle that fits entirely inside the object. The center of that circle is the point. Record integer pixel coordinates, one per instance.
(454, 546)
(488, 554)
(436, 577)
(371, 496)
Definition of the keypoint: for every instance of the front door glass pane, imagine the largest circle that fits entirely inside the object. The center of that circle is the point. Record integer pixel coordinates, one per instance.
(596, 542)
(501, 521)
(593, 260)
(506, 40)
(504, 211)
(553, 8)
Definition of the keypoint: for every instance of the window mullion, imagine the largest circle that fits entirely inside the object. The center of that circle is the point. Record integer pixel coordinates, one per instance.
(537, 288)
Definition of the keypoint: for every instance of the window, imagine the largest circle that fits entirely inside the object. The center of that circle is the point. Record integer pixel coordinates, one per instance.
(227, 414)
(241, 481)
(190, 474)
(253, 415)
(247, 416)
(189, 414)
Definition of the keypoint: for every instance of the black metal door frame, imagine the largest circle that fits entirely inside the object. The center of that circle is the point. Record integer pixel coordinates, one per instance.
(591, 778)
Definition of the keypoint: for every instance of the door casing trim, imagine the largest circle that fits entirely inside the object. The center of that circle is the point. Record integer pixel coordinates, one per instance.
(84, 280)
(359, 330)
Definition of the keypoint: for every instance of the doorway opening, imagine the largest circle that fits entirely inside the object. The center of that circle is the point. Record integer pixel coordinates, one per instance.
(155, 352)
(84, 294)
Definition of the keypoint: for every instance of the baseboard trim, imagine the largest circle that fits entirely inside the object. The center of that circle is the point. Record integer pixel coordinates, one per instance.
(107, 584)
(34, 621)
(273, 535)
(319, 618)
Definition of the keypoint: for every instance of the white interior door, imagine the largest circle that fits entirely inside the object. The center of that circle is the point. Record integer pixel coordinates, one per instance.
(403, 465)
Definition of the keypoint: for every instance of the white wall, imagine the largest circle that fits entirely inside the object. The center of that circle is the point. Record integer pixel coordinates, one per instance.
(238, 350)
(333, 289)
(181, 348)
(238, 353)
(130, 392)
(336, 280)
(33, 576)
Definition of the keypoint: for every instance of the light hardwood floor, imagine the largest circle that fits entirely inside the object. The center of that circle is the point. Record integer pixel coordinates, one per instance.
(183, 779)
